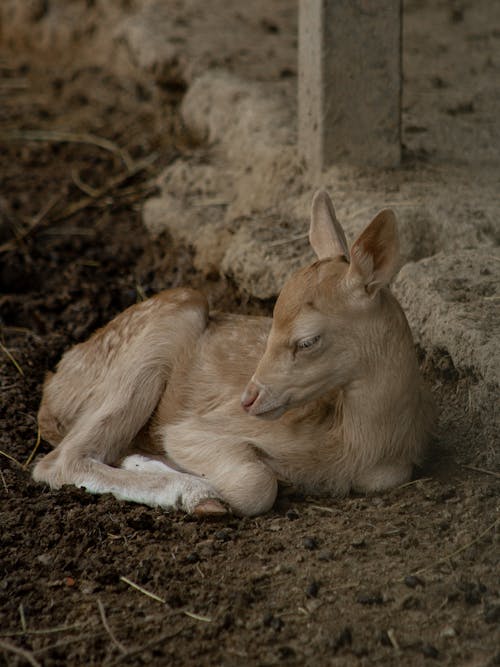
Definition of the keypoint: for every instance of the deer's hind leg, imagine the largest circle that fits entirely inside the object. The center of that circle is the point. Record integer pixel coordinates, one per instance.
(106, 390)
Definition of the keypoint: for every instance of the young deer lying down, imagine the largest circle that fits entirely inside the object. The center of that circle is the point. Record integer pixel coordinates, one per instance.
(171, 405)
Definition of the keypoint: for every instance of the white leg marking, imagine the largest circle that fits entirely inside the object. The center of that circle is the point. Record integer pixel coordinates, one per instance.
(170, 490)
(141, 463)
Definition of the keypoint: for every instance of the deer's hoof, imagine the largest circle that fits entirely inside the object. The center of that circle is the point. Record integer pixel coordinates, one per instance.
(210, 507)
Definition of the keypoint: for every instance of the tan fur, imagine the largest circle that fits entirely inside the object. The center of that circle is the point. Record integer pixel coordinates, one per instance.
(330, 388)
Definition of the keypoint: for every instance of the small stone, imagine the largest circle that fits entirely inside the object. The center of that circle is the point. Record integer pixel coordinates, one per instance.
(271, 621)
(326, 555)
(473, 592)
(276, 623)
(206, 548)
(412, 581)
(283, 568)
(89, 588)
(312, 604)
(358, 542)
(228, 621)
(343, 639)
(223, 535)
(384, 638)
(266, 620)
(430, 651)
(44, 559)
(411, 602)
(310, 543)
(286, 652)
(275, 525)
(192, 558)
(292, 515)
(448, 631)
(370, 598)
(312, 590)
(492, 614)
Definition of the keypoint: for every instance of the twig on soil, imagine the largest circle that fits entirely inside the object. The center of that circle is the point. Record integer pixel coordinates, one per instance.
(36, 220)
(140, 292)
(11, 458)
(34, 450)
(143, 590)
(82, 204)
(65, 642)
(4, 482)
(44, 631)
(112, 183)
(84, 187)
(322, 508)
(342, 587)
(11, 358)
(27, 655)
(4, 64)
(197, 617)
(14, 84)
(42, 213)
(414, 481)
(110, 632)
(457, 551)
(483, 470)
(21, 330)
(70, 137)
(392, 638)
(22, 617)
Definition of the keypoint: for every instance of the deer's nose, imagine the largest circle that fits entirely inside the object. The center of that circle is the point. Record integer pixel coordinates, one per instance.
(249, 396)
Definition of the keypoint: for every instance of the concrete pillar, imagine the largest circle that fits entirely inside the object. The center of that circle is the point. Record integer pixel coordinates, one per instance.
(350, 82)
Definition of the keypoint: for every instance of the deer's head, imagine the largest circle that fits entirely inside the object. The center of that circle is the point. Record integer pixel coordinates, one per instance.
(323, 315)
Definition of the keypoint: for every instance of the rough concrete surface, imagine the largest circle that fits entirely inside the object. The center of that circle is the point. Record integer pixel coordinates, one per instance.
(350, 82)
(452, 304)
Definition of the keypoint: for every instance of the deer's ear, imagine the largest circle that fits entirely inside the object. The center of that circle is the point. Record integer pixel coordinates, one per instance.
(326, 235)
(375, 255)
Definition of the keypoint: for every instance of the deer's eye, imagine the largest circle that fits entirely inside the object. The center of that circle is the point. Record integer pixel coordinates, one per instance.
(307, 343)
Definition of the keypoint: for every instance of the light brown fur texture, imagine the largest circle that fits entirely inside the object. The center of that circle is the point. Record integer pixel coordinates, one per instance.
(170, 405)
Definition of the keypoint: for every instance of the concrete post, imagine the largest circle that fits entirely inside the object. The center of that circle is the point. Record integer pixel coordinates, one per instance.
(350, 82)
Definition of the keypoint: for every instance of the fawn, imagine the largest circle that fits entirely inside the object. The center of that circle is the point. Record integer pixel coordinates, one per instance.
(173, 406)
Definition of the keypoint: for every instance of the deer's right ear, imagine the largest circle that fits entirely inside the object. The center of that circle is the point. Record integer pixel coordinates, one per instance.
(326, 235)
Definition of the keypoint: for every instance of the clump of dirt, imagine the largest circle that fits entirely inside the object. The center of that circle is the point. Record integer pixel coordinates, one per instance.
(403, 578)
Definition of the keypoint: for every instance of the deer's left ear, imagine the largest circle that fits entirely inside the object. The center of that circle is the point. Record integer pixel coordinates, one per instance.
(375, 255)
(326, 235)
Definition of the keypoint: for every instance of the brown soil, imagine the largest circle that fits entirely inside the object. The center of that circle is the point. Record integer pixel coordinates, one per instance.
(403, 578)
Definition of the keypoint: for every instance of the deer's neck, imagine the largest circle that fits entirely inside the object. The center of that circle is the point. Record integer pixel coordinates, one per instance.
(382, 408)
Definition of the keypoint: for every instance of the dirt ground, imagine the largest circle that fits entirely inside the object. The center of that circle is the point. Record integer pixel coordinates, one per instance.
(408, 577)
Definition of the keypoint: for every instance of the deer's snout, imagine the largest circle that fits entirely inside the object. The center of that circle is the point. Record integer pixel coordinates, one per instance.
(259, 401)
(250, 395)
